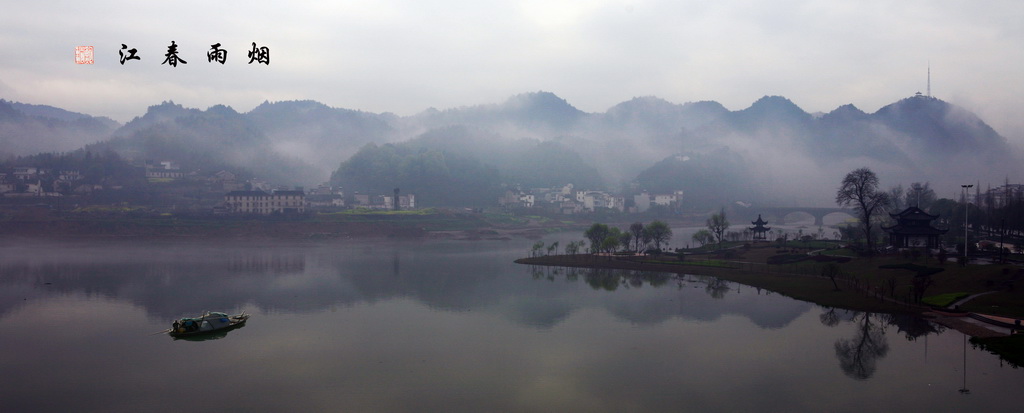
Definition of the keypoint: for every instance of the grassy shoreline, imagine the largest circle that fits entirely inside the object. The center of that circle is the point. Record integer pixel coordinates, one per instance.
(793, 284)
(866, 284)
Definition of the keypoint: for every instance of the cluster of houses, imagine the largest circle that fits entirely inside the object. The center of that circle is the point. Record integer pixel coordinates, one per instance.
(241, 197)
(30, 181)
(265, 201)
(567, 200)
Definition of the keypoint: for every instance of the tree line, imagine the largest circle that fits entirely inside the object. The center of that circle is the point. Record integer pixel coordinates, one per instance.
(989, 215)
(637, 238)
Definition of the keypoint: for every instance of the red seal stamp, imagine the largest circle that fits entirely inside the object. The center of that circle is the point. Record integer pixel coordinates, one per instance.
(83, 55)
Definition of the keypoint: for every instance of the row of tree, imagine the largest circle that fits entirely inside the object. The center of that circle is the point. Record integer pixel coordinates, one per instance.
(990, 216)
(637, 238)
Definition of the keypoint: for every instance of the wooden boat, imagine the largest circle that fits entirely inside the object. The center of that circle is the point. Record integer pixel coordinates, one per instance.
(209, 322)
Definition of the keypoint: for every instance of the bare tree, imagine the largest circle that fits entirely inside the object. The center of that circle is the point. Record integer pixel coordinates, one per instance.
(860, 190)
(832, 271)
(717, 224)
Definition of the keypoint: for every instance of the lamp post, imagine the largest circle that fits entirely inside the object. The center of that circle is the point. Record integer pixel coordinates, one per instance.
(967, 204)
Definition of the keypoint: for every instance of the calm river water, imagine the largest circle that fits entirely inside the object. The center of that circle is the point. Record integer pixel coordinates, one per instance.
(446, 326)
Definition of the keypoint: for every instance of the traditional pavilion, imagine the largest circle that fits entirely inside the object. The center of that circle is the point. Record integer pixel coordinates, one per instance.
(759, 229)
(914, 229)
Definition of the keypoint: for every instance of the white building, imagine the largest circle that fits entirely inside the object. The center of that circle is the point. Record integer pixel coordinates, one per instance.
(263, 203)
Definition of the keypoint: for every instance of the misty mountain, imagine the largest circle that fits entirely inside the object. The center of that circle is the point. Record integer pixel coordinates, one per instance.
(526, 162)
(708, 180)
(772, 149)
(214, 139)
(44, 111)
(438, 178)
(657, 116)
(28, 129)
(933, 126)
(538, 113)
(774, 114)
(321, 135)
(786, 151)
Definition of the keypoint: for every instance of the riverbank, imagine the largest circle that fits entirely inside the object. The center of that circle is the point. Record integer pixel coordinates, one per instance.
(795, 284)
(859, 288)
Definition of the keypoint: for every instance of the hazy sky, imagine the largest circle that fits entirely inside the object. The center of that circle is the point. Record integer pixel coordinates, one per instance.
(404, 56)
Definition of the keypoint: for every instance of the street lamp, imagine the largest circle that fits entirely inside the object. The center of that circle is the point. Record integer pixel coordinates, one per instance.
(967, 204)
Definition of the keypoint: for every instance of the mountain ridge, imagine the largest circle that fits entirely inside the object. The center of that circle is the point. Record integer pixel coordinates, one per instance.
(915, 138)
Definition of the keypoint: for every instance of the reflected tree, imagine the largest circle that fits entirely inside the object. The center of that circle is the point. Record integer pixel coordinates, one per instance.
(602, 279)
(911, 326)
(572, 274)
(858, 355)
(829, 318)
(716, 287)
(537, 272)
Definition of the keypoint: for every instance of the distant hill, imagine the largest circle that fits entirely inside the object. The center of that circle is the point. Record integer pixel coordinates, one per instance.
(44, 111)
(318, 134)
(772, 151)
(28, 129)
(541, 113)
(210, 140)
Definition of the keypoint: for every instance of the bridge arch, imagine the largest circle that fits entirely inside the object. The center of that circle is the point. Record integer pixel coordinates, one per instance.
(779, 214)
(848, 215)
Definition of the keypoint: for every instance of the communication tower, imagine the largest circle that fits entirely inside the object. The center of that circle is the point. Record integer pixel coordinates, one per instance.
(929, 79)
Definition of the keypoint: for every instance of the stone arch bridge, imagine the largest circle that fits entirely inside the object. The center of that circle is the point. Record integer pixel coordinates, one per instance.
(777, 215)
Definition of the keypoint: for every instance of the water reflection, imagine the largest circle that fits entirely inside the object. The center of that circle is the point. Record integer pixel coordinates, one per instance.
(407, 326)
(858, 356)
(763, 309)
(216, 335)
(171, 280)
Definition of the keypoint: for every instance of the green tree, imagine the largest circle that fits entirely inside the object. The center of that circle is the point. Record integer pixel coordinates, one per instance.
(610, 244)
(553, 248)
(572, 248)
(703, 237)
(537, 246)
(718, 224)
(637, 229)
(596, 235)
(626, 240)
(658, 232)
(860, 190)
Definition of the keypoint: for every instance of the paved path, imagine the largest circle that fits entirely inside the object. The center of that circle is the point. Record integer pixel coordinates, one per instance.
(967, 326)
(968, 298)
